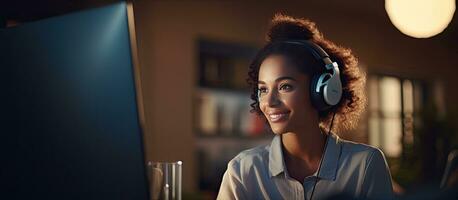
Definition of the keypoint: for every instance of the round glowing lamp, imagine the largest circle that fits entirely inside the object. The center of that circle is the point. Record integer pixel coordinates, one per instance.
(420, 18)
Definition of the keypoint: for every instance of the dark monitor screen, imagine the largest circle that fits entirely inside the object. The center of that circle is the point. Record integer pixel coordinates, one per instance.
(69, 120)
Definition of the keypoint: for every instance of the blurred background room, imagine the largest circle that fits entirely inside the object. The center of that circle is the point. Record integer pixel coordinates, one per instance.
(194, 57)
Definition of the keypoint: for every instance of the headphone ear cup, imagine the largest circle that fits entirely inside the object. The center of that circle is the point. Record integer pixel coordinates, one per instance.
(317, 97)
(332, 91)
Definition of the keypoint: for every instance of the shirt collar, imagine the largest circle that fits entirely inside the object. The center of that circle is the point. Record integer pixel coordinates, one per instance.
(329, 165)
(276, 161)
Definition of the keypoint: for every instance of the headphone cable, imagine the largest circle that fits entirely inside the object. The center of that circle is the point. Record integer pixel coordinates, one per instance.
(322, 157)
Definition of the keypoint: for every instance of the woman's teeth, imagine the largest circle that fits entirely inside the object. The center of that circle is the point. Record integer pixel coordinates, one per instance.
(277, 117)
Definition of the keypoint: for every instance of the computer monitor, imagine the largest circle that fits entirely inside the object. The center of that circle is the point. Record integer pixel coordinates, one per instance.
(70, 125)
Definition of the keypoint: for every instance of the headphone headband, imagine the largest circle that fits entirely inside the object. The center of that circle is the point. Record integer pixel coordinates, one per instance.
(313, 48)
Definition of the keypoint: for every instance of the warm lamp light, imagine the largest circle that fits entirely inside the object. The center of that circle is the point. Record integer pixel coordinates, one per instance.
(420, 18)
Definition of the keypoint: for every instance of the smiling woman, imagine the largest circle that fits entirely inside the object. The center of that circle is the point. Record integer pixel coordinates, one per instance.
(301, 91)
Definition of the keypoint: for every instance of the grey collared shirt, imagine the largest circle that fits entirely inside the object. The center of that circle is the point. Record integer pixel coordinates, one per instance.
(348, 168)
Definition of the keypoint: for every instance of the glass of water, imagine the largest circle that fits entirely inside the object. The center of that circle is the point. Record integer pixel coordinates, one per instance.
(165, 180)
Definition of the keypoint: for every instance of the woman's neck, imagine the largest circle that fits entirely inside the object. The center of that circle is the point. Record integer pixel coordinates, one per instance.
(307, 145)
(303, 152)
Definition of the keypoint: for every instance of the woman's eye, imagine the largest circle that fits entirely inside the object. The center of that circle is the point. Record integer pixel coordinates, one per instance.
(262, 90)
(286, 87)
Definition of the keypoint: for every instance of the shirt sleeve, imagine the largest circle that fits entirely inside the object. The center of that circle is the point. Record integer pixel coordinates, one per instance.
(377, 180)
(231, 186)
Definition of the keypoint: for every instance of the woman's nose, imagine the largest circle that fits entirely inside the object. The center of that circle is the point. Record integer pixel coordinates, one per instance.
(271, 99)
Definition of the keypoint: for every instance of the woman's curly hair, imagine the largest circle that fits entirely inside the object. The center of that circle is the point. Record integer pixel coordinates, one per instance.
(283, 28)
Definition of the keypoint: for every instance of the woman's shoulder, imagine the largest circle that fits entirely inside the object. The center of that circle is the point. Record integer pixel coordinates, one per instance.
(355, 149)
(250, 157)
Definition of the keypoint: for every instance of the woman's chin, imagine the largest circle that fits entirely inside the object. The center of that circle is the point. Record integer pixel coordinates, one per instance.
(279, 130)
(280, 127)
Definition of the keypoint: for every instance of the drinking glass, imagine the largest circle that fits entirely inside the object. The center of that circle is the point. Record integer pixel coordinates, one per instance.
(165, 180)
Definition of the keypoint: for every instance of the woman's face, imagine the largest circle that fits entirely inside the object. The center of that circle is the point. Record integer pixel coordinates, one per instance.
(284, 95)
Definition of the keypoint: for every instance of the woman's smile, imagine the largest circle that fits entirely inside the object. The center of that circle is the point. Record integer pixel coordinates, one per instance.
(275, 117)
